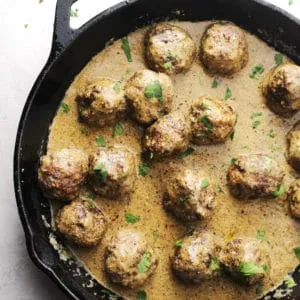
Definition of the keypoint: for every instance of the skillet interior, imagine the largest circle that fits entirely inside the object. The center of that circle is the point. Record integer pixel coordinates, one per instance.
(63, 65)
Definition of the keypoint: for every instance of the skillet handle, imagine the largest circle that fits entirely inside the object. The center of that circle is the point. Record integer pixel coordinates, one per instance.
(63, 34)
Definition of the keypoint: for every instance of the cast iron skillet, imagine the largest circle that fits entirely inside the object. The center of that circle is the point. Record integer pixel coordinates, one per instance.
(71, 50)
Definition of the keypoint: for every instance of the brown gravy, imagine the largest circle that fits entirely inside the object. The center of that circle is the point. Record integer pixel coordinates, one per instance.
(232, 217)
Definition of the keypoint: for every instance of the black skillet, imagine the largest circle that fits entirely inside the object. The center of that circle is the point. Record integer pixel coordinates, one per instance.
(71, 50)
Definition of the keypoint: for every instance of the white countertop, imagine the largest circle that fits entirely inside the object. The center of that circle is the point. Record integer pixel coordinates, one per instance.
(24, 51)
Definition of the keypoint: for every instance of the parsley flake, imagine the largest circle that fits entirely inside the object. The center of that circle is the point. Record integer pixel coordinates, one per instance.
(117, 88)
(91, 196)
(289, 282)
(144, 169)
(232, 135)
(145, 262)
(74, 13)
(280, 190)
(168, 65)
(256, 70)
(91, 203)
(130, 218)
(126, 48)
(215, 83)
(141, 295)
(100, 141)
(220, 190)
(65, 107)
(256, 114)
(207, 123)
(26, 26)
(255, 124)
(297, 251)
(118, 129)
(154, 90)
(250, 269)
(100, 169)
(178, 243)
(278, 59)
(204, 183)
(228, 94)
(214, 264)
(260, 234)
(186, 153)
(84, 131)
(291, 2)
(271, 133)
(233, 161)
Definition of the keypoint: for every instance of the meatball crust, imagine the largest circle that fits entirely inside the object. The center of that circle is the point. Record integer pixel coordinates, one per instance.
(293, 151)
(281, 88)
(294, 199)
(212, 121)
(197, 258)
(188, 194)
(112, 172)
(253, 176)
(168, 135)
(149, 95)
(101, 103)
(82, 223)
(224, 48)
(124, 258)
(244, 253)
(62, 173)
(169, 49)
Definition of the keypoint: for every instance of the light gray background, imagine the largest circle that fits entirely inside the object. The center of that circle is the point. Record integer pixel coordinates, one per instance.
(23, 52)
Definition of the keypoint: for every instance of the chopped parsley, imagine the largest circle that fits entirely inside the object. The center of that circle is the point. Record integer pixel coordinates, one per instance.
(186, 153)
(250, 269)
(100, 141)
(130, 218)
(168, 65)
(144, 169)
(214, 264)
(91, 196)
(215, 83)
(84, 131)
(260, 234)
(65, 107)
(271, 133)
(117, 88)
(204, 183)
(232, 135)
(155, 235)
(280, 190)
(99, 168)
(233, 161)
(256, 70)
(255, 124)
(145, 262)
(228, 94)
(297, 251)
(91, 203)
(74, 13)
(126, 48)
(106, 292)
(26, 26)
(220, 190)
(118, 129)
(291, 2)
(207, 123)
(278, 59)
(178, 243)
(141, 295)
(289, 282)
(154, 90)
(259, 288)
(256, 114)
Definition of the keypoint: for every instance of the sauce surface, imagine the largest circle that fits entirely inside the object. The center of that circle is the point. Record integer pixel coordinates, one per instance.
(232, 217)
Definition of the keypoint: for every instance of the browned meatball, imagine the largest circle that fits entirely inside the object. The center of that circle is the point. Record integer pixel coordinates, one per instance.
(224, 48)
(82, 223)
(150, 95)
(188, 193)
(212, 121)
(196, 259)
(112, 171)
(101, 103)
(62, 173)
(169, 49)
(246, 259)
(255, 175)
(282, 89)
(293, 152)
(294, 199)
(129, 260)
(168, 135)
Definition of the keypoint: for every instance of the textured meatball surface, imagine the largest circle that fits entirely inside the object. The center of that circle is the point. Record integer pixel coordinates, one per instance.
(224, 48)
(112, 171)
(212, 121)
(150, 95)
(281, 88)
(62, 173)
(196, 259)
(82, 223)
(101, 103)
(188, 193)
(169, 49)
(246, 259)
(294, 199)
(253, 176)
(293, 151)
(129, 260)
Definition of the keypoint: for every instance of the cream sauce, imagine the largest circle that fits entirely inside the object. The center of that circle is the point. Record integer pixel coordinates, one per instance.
(231, 217)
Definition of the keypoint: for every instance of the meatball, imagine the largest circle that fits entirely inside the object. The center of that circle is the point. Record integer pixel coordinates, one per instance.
(294, 199)
(82, 223)
(246, 259)
(62, 173)
(101, 103)
(168, 135)
(282, 89)
(224, 49)
(293, 152)
(112, 171)
(255, 175)
(197, 258)
(150, 95)
(169, 49)
(188, 194)
(212, 121)
(129, 260)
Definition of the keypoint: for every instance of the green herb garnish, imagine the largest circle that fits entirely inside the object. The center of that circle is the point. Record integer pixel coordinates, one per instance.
(289, 282)
(256, 114)
(228, 94)
(84, 131)
(65, 107)
(74, 13)
(117, 88)
(100, 141)
(232, 135)
(271, 133)
(220, 190)
(168, 65)
(280, 190)
(291, 2)
(106, 292)
(278, 59)
(204, 183)
(233, 161)
(26, 26)
(130, 218)
(186, 153)
(260, 234)
(297, 251)
(215, 83)
(255, 124)
(214, 264)
(141, 295)
(91, 203)
(257, 70)
(118, 129)
(144, 169)
(250, 268)
(207, 123)
(145, 262)
(100, 168)
(154, 90)
(178, 243)
(91, 196)
(126, 48)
